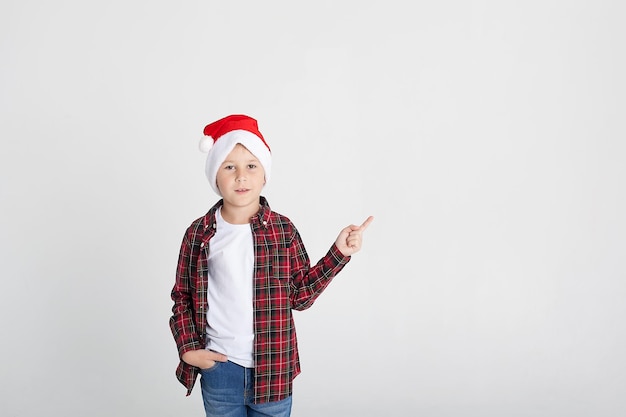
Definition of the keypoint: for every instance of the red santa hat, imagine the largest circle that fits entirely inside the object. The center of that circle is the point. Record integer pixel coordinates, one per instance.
(221, 136)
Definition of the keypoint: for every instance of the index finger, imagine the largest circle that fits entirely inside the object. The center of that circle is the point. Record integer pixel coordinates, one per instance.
(366, 223)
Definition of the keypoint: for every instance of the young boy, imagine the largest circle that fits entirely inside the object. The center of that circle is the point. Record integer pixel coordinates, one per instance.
(242, 269)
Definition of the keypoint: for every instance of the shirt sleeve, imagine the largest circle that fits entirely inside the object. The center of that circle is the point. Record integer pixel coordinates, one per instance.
(182, 321)
(309, 282)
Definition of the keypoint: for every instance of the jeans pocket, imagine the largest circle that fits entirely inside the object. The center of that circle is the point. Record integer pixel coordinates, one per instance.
(210, 369)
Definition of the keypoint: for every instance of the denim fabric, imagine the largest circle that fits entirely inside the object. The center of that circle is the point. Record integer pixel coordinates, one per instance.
(227, 391)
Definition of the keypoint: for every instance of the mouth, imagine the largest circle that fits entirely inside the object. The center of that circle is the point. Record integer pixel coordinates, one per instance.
(241, 190)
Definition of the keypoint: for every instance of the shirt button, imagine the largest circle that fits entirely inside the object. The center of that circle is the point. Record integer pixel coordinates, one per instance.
(264, 223)
(202, 245)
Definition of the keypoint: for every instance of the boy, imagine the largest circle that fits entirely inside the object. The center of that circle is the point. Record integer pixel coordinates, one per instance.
(242, 269)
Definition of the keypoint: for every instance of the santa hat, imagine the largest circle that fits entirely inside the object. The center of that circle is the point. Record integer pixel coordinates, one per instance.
(220, 138)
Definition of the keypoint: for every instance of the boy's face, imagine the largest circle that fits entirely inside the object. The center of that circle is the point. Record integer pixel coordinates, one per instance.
(240, 178)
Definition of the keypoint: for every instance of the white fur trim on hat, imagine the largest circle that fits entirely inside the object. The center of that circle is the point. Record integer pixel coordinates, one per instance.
(225, 144)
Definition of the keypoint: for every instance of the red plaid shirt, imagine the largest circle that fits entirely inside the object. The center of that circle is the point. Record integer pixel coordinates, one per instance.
(283, 281)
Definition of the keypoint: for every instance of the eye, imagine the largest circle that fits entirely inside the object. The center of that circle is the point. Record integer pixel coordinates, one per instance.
(229, 167)
(252, 166)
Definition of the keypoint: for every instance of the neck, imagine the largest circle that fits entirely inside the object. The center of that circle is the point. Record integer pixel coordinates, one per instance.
(238, 215)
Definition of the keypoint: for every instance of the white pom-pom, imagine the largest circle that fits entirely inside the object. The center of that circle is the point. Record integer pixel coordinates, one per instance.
(206, 143)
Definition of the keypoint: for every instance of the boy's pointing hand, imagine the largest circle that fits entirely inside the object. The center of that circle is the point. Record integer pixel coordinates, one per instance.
(350, 238)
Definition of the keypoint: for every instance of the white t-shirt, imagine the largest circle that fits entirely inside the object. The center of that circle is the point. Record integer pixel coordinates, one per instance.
(230, 326)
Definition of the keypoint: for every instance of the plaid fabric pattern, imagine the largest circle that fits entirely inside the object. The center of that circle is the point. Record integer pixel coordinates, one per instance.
(283, 281)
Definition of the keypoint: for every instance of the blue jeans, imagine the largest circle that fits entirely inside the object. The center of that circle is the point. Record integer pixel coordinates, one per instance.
(228, 391)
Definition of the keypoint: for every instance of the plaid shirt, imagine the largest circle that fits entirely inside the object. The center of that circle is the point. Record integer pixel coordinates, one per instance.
(283, 281)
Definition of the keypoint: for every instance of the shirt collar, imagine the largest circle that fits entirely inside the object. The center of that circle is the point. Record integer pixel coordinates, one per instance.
(262, 218)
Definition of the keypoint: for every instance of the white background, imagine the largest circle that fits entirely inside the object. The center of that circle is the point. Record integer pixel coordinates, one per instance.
(486, 137)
